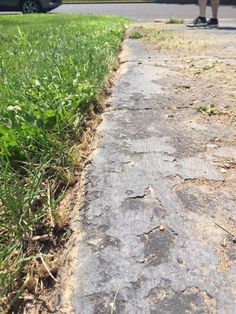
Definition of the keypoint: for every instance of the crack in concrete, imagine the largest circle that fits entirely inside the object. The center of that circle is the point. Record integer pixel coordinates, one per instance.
(149, 232)
(148, 191)
(132, 109)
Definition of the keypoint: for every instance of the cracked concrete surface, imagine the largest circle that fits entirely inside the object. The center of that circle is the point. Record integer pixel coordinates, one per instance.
(151, 169)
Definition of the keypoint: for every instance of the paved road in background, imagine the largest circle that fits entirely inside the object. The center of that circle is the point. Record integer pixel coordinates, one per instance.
(144, 11)
(141, 11)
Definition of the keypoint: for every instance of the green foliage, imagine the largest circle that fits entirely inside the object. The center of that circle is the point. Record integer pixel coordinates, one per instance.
(173, 20)
(135, 35)
(52, 71)
(210, 110)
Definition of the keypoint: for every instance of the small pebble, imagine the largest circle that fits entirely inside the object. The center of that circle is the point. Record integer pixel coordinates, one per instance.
(180, 260)
(223, 170)
(161, 228)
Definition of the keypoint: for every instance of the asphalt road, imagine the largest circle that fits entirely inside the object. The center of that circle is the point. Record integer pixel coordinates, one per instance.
(144, 11)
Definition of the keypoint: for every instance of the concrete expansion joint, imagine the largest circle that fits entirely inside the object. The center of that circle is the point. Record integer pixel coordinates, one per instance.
(133, 109)
(130, 61)
(145, 62)
(204, 181)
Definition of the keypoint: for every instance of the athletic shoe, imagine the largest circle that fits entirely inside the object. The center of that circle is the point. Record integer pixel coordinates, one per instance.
(198, 22)
(212, 23)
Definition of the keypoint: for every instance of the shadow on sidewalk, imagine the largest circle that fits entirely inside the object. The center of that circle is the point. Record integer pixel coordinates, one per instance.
(227, 28)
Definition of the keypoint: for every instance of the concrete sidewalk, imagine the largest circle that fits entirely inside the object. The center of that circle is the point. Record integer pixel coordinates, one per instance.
(157, 233)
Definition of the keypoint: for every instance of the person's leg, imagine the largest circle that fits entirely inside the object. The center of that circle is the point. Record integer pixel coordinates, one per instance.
(201, 19)
(214, 7)
(202, 7)
(213, 22)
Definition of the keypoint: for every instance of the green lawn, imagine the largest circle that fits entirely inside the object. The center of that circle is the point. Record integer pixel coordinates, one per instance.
(52, 71)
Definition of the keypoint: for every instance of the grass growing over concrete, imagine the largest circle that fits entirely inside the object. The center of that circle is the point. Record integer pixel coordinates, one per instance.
(174, 36)
(174, 20)
(52, 71)
(208, 58)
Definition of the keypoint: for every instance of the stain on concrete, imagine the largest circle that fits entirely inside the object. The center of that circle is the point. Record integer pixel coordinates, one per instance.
(137, 284)
(164, 299)
(98, 244)
(157, 247)
(205, 199)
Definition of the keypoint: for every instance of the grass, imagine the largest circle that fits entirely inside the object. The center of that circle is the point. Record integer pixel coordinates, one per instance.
(199, 60)
(173, 20)
(210, 110)
(135, 35)
(52, 71)
(172, 36)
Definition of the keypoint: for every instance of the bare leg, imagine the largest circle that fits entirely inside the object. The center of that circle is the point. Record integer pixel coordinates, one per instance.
(214, 7)
(201, 20)
(202, 7)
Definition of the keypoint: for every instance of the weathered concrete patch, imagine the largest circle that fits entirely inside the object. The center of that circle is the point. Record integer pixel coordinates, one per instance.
(207, 198)
(197, 168)
(164, 299)
(228, 152)
(157, 247)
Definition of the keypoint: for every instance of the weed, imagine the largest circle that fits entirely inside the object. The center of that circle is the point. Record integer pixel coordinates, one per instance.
(210, 110)
(135, 35)
(173, 20)
(113, 303)
(209, 66)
